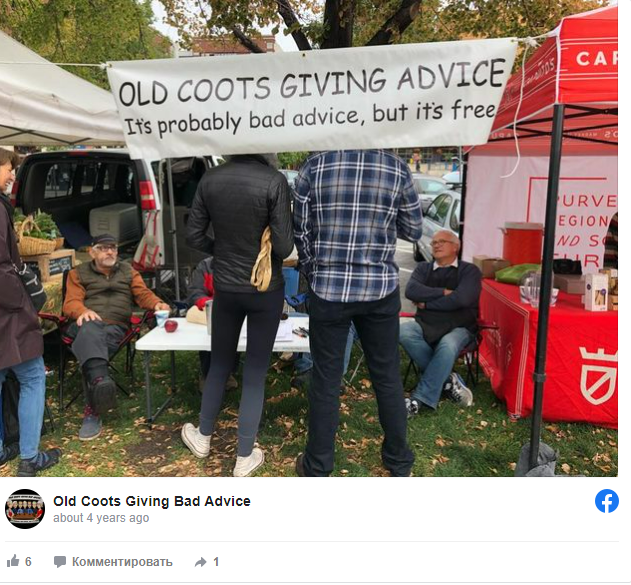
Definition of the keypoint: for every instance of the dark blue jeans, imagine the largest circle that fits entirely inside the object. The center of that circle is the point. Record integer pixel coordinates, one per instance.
(377, 324)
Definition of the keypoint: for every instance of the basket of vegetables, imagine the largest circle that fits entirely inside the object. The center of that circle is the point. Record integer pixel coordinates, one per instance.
(36, 235)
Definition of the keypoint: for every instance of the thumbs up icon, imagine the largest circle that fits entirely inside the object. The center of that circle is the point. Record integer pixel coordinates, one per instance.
(13, 562)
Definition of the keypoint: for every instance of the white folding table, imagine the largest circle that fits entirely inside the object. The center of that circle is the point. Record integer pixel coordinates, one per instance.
(194, 337)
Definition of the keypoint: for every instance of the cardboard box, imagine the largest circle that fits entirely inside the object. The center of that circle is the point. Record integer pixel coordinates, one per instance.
(613, 303)
(612, 274)
(596, 292)
(52, 266)
(489, 265)
(572, 284)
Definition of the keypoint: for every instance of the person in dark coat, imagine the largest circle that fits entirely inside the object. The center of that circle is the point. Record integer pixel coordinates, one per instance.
(21, 343)
(240, 199)
(201, 290)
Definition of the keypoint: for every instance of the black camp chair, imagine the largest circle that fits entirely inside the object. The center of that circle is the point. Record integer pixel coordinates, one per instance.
(127, 345)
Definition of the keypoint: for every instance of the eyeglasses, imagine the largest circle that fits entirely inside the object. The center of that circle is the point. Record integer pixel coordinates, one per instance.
(435, 243)
(106, 248)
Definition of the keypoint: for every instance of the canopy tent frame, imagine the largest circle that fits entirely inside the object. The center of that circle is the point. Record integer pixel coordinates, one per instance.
(22, 132)
(582, 112)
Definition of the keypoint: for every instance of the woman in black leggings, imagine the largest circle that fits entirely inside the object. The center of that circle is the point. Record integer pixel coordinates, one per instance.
(240, 199)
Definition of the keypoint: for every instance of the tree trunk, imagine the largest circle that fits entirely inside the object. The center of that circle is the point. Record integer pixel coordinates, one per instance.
(246, 41)
(291, 22)
(395, 26)
(339, 16)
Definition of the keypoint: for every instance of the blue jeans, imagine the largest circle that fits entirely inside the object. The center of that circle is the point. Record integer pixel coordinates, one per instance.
(304, 363)
(435, 363)
(32, 377)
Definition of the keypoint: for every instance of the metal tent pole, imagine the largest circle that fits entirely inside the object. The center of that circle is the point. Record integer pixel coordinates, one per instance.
(464, 166)
(173, 229)
(545, 292)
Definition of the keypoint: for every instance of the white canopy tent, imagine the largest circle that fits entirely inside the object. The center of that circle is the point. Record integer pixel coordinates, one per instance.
(41, 104)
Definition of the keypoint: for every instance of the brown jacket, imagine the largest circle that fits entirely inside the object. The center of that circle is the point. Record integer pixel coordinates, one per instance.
(75, 295)
(21, 338)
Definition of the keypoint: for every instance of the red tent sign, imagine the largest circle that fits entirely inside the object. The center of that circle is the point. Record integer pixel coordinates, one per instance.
(579, 64)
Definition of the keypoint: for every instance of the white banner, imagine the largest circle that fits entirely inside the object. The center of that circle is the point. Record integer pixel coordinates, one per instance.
(433, 94)
(588, 199)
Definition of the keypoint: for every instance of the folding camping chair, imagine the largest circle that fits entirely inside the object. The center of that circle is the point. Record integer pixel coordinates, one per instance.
(65, 351)
(470, 354)
(295, 299)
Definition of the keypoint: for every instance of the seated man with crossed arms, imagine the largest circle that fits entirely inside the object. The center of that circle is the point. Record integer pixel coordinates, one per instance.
(446, 293)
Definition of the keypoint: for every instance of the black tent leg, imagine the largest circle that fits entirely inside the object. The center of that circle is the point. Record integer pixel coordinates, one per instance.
(546, 281)
(463, 201)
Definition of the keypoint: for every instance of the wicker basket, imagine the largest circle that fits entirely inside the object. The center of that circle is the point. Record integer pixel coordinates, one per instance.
(28, 246)
(59, 243)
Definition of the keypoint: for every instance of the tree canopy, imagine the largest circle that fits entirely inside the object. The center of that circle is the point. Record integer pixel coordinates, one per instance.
(347, 23)
(85, 31)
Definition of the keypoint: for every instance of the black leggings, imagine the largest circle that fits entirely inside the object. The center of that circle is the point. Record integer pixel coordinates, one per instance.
(263, 311)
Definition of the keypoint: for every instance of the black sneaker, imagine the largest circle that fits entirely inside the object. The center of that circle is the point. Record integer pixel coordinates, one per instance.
(300, 468)
(43, 460)
(9, 453)
(104, 394)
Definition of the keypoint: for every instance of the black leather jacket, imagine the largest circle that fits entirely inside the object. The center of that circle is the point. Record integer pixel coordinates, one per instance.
(241, 198)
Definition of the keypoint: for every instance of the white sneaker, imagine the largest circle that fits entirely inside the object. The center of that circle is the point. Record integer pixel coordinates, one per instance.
(457, 391)
(198, 444)
(248, 465)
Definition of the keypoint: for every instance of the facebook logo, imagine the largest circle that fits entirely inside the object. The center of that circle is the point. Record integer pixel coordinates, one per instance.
(607, 501)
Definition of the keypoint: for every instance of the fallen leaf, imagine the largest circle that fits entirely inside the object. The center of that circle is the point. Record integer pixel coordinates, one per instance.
(439, 459)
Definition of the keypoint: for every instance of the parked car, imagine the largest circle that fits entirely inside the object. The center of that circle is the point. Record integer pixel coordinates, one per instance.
(103, 190)
(290, 175)
(453, 180)
(442, 214)
(427, 187)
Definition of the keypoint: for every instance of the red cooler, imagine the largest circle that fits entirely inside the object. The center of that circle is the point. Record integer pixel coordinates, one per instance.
(523, 242)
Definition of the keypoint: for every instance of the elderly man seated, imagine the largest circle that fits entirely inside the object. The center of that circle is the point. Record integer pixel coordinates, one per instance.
(446, 293)
(100, 297)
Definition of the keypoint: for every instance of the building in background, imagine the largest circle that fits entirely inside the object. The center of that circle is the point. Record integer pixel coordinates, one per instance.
(226, 45)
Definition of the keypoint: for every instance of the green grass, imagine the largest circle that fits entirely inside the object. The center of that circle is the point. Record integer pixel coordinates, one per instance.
(479, 441)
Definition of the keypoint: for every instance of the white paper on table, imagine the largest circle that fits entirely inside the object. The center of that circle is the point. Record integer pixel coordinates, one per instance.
(284, 332)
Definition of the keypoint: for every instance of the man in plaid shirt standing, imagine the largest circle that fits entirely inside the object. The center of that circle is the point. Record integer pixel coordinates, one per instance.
(350, 207)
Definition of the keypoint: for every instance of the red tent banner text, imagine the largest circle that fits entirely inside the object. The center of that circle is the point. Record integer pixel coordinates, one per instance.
(578, 64)
(588, 199)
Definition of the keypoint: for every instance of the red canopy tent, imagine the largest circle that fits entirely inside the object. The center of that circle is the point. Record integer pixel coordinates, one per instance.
(565, 99)
(577, 65)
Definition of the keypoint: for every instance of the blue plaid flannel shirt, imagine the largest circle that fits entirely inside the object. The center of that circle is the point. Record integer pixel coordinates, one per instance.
(349, 208)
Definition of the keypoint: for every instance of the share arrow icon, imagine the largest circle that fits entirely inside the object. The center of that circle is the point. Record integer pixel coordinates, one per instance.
(201, 562)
